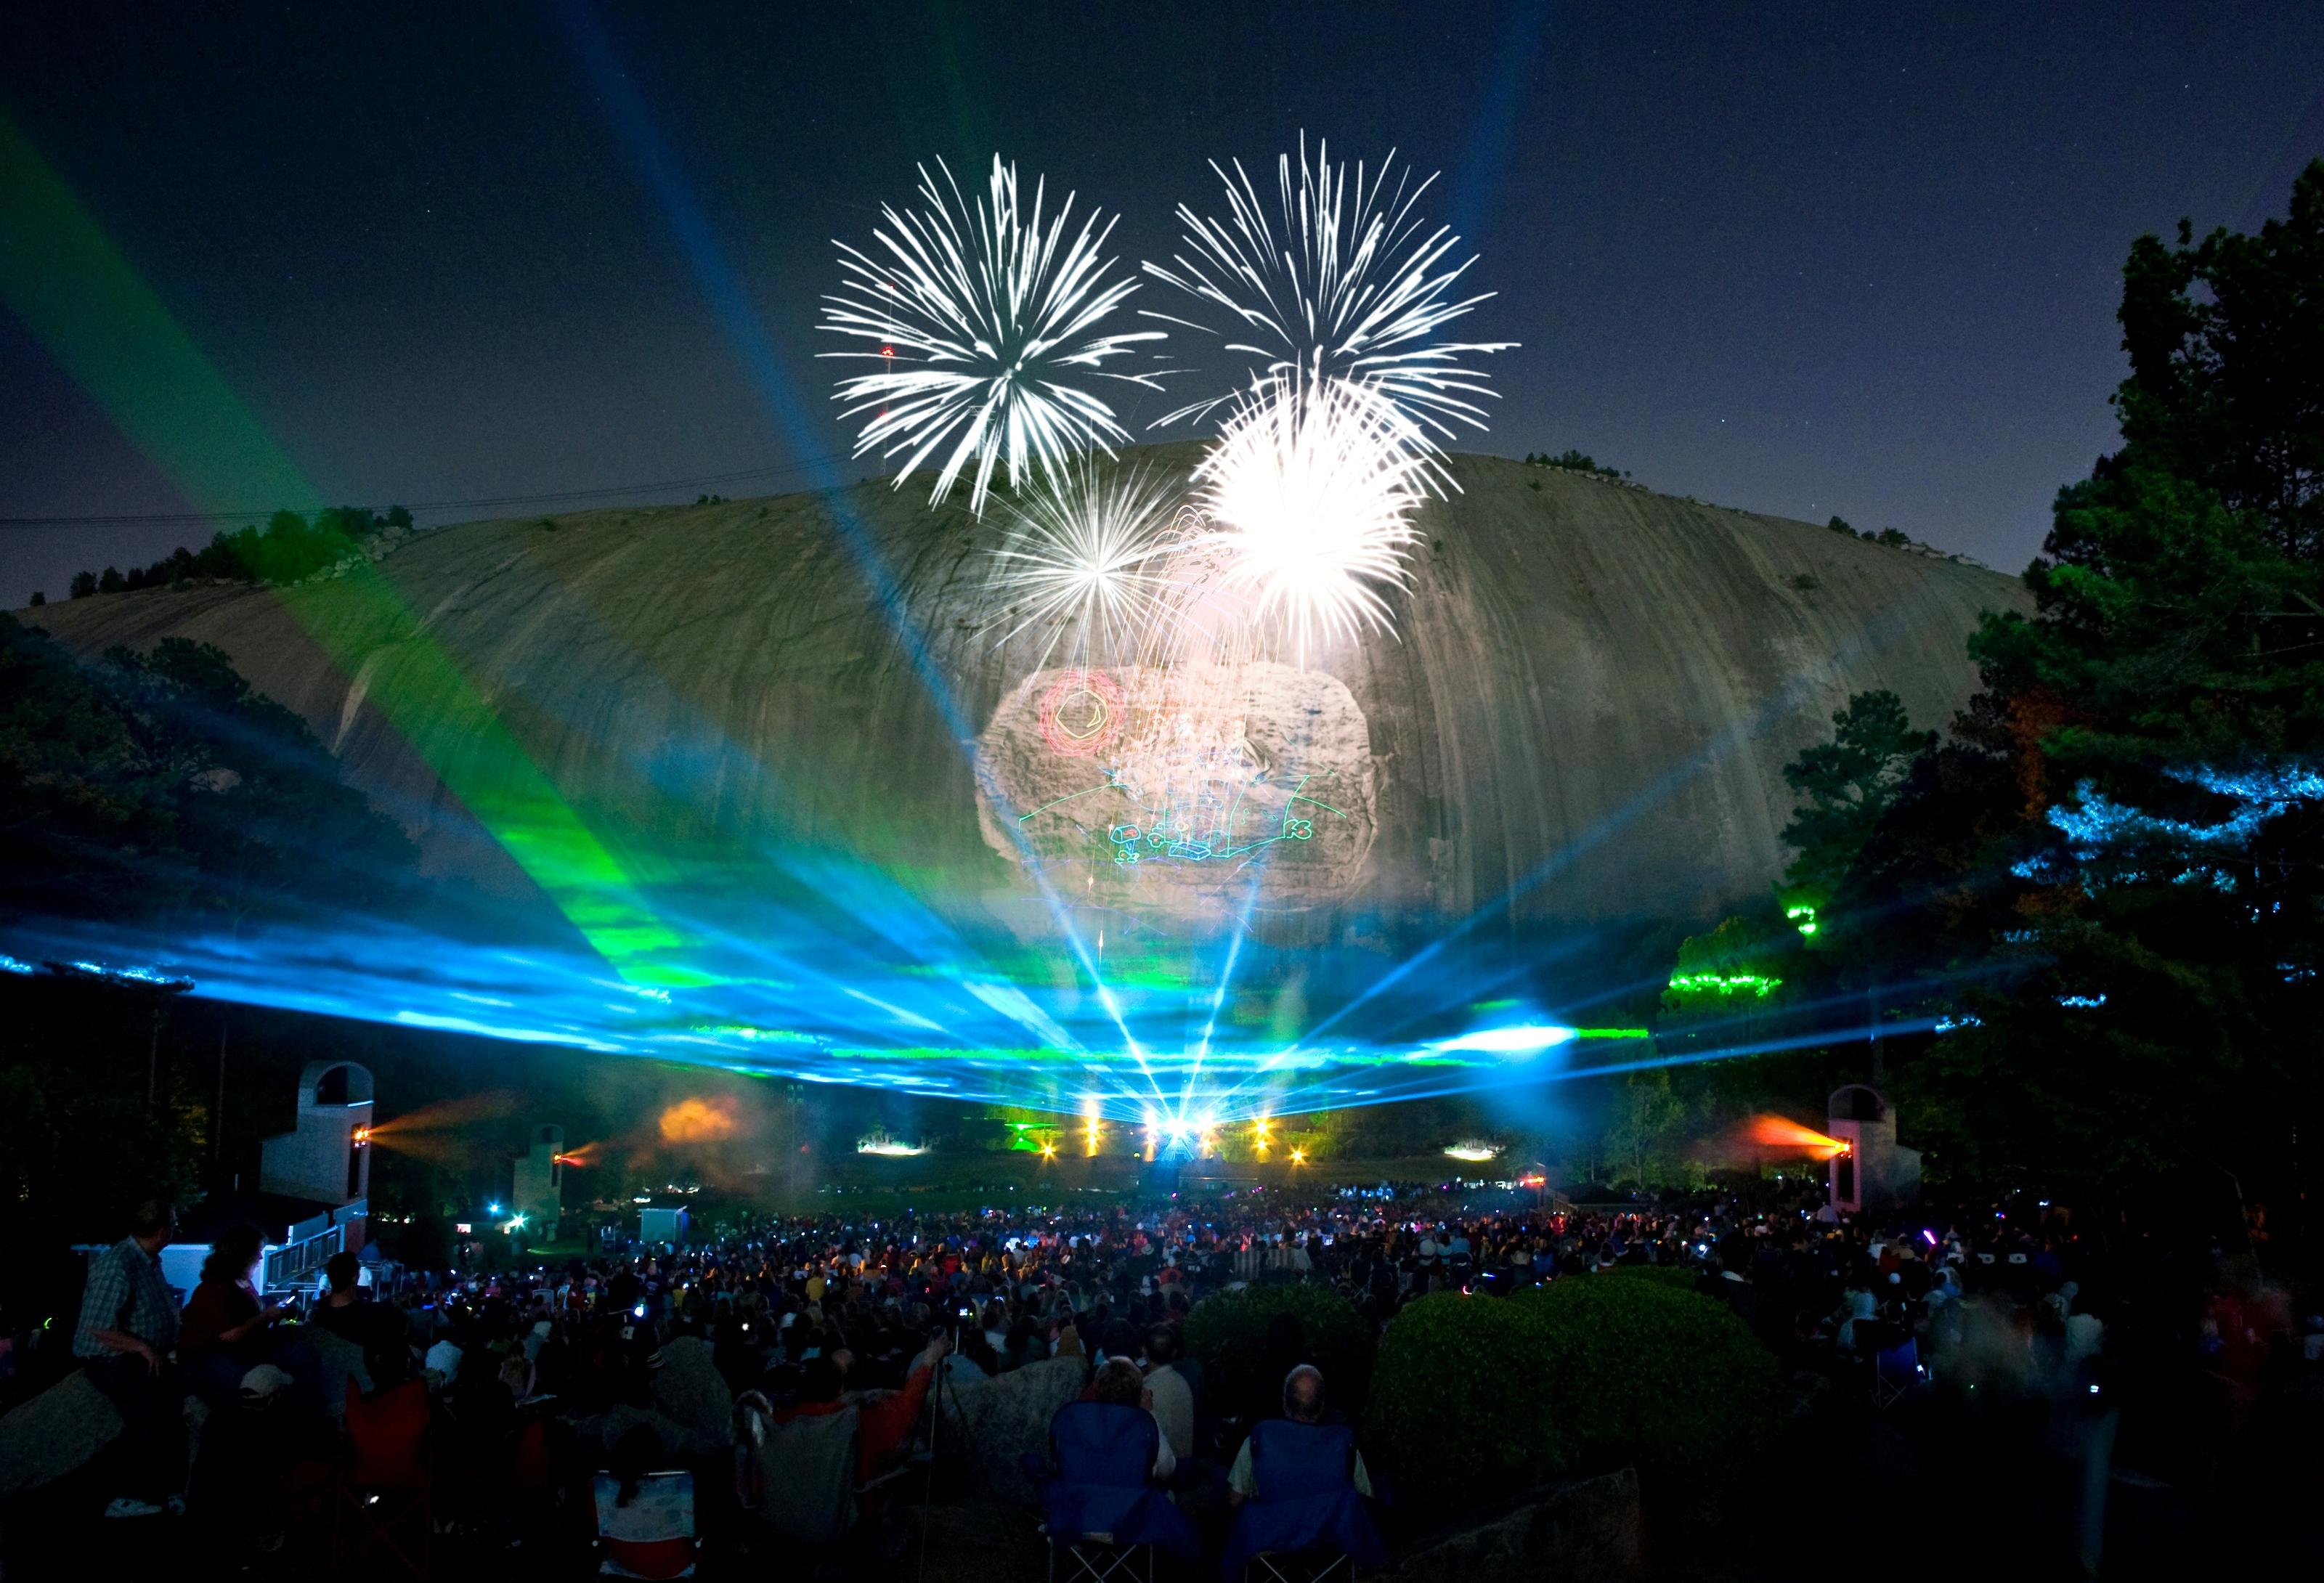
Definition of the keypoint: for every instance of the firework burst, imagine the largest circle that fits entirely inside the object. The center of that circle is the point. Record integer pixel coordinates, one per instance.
(1340, 280)
(1089, 555)
(1307, 499)
(984, 324)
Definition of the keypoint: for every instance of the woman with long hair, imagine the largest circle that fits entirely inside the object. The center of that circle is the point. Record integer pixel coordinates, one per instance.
(224, 1333)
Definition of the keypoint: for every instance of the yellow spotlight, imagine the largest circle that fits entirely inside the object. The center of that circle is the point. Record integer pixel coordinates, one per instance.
(1298, 1156)
(1049, 1151)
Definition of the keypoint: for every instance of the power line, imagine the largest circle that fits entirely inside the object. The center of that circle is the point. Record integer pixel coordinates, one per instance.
(201, 519)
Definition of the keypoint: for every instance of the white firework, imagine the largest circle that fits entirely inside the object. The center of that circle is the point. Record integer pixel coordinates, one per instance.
(1343, 280)
(1309, 495)
(1089, 553)
(984, 323)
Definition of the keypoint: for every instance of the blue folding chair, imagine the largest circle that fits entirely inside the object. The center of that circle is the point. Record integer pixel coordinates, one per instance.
(1101, 1510)
(1896, 1370)
(1305, 1520)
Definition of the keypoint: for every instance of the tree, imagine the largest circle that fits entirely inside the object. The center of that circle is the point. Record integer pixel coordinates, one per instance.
(151, 785)
(84, 585)
(2117, 852)
(289, 549)
(1845, 785)
(1646, 1124)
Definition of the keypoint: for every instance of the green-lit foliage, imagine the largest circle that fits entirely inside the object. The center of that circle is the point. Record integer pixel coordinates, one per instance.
(1643, 1372)
(1757, 984)
(1463, 1407)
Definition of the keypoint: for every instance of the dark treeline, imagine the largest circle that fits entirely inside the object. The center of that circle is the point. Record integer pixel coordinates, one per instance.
(288, 549)
(1572, 461)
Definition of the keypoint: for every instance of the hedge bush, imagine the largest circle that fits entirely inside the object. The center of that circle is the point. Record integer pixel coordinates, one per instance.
(1227, 1336)
(1462, 1406)
(1677, 1277)
(1647, 1374)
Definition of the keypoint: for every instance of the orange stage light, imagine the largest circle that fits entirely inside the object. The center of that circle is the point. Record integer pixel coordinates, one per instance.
(1774, 1132)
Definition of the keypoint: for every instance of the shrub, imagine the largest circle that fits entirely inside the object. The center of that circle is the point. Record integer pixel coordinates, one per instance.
(1227, 1334)
(1462, 1406)
(1647, 1374)
(1678, 1277)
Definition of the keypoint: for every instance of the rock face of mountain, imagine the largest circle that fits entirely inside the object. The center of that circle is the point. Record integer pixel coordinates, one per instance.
(1582, 720)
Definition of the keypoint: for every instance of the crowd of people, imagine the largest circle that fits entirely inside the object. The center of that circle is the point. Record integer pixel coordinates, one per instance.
(702, 1356)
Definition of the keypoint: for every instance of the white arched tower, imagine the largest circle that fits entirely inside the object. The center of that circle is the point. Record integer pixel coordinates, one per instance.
(540, 1182)
(1873, 1171)
(326, 1156)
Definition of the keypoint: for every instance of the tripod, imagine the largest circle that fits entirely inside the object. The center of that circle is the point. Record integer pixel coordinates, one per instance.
(937, 1386)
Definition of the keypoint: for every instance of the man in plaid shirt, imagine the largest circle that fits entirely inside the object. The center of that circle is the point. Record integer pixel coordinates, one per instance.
(128, 1326)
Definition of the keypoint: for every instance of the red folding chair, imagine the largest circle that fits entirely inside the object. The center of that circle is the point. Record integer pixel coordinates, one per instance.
(652, 1534)
(388, 1483)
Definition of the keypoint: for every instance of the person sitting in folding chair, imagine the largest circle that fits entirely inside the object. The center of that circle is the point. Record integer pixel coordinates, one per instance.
(1298, 1487)
(809, 1475)
(1104, 1508)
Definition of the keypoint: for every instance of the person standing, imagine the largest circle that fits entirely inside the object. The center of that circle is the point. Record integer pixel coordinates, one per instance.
(127, 1330)
(222, 1333)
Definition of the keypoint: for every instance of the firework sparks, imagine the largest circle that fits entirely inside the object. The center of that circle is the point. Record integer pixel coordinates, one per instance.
(983, 320)
(1345, 282)
(1088, 555)
(1308, 497)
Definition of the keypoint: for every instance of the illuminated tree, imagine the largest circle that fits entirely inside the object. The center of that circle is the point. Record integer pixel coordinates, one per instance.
(2120, 848)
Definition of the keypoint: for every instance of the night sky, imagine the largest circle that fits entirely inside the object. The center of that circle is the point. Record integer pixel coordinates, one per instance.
(1806, 259)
